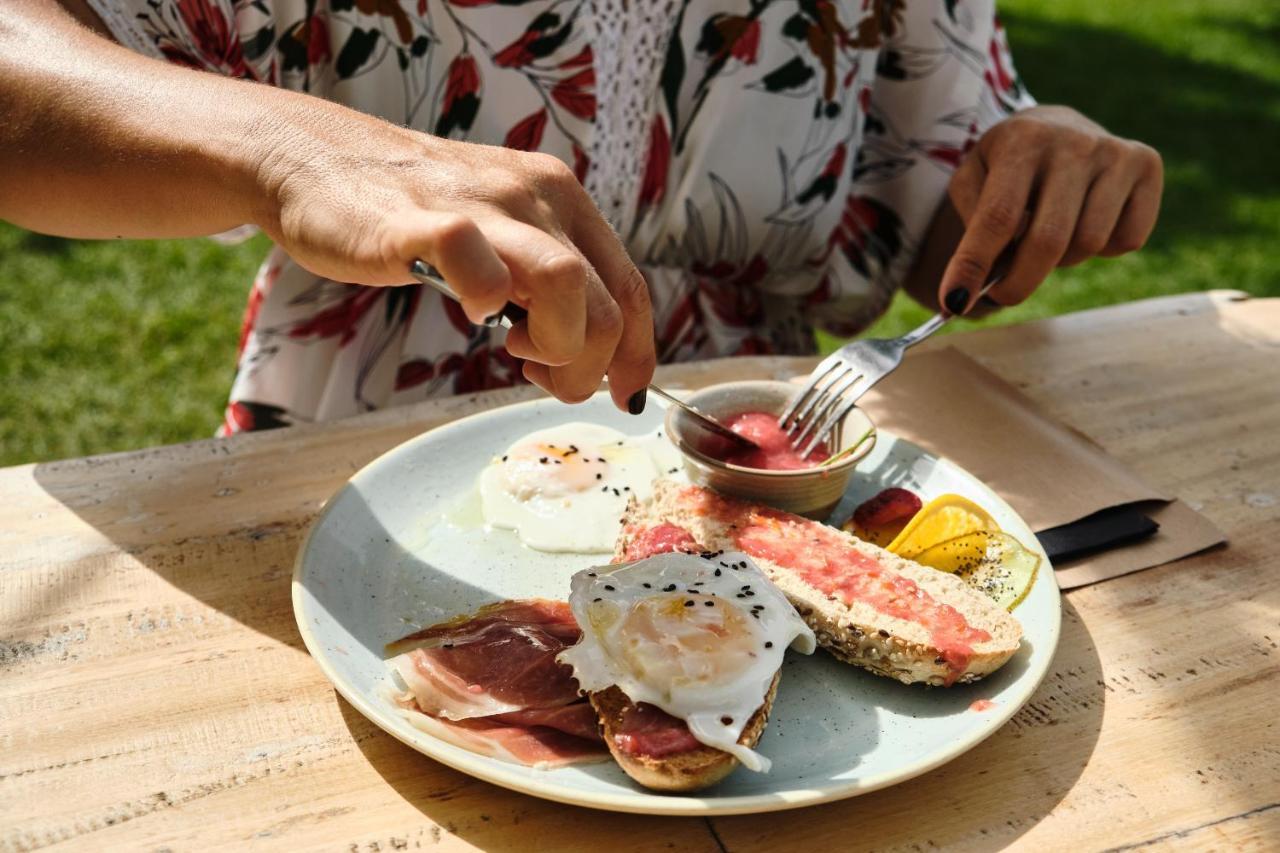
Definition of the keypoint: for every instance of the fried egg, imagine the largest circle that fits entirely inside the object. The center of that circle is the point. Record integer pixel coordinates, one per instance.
(700, 637)
(565, 488)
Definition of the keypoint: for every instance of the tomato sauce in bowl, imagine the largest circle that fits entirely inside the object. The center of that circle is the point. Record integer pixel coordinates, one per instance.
(776, 452)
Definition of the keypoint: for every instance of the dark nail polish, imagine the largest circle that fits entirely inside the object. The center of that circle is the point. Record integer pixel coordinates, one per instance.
(957, 301)
(635, 403)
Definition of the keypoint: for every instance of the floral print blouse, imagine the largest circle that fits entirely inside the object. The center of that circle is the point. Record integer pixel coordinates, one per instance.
(771, 165)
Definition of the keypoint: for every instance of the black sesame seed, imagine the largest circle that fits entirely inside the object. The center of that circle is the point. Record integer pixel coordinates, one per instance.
(597, 599)
(749, 593)
(726, 721)
(699, 583)
(448, 645)
(504, 459)
(617, 493)
(599, 476)
(739, 595)
(669, 588)
(542, 460)
(717, 573)
(557, 461)
(609, 587)
(626, 488)
(688, 604)
(591, 574)
(709, 603)
(647, 586)
(768, 644)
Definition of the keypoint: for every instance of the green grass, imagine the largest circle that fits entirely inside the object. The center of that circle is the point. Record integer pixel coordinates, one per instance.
(109, 346)
(1199, 81)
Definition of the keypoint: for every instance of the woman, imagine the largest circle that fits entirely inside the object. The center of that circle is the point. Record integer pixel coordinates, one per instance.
(762, 167)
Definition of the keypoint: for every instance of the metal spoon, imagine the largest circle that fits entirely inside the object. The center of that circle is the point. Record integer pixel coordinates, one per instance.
(511, 313)
(706, 422)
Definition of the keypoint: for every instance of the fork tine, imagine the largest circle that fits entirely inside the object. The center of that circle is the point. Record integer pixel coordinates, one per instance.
(819, 415)
(834, 418)
(827, 429)
(821, 398)
(819, 373)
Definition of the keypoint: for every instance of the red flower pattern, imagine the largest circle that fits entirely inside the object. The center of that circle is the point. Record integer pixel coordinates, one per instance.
(219, 49)
(549, 61)
(527, 134)
(318, 50)
(577, 94)
(654, 184)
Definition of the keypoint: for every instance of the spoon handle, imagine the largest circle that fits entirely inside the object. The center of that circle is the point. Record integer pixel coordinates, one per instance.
(707, 422)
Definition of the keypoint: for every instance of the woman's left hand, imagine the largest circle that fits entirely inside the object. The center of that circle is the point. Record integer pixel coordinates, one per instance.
(1058, 184)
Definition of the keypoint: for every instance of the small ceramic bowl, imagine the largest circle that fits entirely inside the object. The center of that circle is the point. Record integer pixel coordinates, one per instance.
(811, 492)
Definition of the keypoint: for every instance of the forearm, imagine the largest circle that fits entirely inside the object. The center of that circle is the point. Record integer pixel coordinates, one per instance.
(97, 141)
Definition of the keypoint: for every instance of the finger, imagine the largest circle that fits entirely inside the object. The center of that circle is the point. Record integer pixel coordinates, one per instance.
(454, 245)
(1048, 234)
(538, 374)
(549, 280)
(994, 222)
(631, 367)
(1103, 204)
(966, 184)
(1138, 218)
(580, 378)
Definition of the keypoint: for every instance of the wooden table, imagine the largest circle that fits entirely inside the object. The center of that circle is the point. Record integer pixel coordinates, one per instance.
(154, 692)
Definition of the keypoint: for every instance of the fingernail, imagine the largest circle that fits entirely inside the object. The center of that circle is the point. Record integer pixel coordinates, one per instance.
(957, 300)
(635, 403)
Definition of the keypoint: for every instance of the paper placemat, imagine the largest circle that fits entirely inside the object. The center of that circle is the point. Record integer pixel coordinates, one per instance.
(1050, 473)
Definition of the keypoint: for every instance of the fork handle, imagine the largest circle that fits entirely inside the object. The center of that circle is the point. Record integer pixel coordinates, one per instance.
(937, 321)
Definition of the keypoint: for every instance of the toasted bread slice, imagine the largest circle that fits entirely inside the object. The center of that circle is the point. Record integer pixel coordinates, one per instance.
(857, 632)
(685, 771)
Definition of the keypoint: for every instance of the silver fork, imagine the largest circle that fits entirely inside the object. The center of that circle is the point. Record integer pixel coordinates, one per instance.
(843, 377)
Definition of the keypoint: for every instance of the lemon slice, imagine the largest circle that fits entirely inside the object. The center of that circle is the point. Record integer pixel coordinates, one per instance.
(992, 562)
(941, 519)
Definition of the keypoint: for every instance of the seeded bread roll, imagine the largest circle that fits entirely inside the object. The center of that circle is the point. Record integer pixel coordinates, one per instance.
(855, 633)
(684, 771)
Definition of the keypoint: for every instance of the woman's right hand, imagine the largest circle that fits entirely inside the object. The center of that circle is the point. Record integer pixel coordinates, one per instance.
(108, 143)
(356, 199)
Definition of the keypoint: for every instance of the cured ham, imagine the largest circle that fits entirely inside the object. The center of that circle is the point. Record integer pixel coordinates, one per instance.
(648, 730)
(499, 661)
(533, 746)
(490, 682)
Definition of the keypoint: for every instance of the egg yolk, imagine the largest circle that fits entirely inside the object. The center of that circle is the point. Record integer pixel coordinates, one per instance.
(675, 641)
(552, 470)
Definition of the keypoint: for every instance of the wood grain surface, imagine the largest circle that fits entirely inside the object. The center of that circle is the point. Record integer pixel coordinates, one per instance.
(155, 695)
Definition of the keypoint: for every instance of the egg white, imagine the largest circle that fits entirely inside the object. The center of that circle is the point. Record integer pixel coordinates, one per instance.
(565, 488)
(700, 637)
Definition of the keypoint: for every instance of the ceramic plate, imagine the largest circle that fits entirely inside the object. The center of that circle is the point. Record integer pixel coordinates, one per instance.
(402, 545)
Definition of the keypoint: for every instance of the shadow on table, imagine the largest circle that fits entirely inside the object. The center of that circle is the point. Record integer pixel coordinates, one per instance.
(495, 819)
(986, 798)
